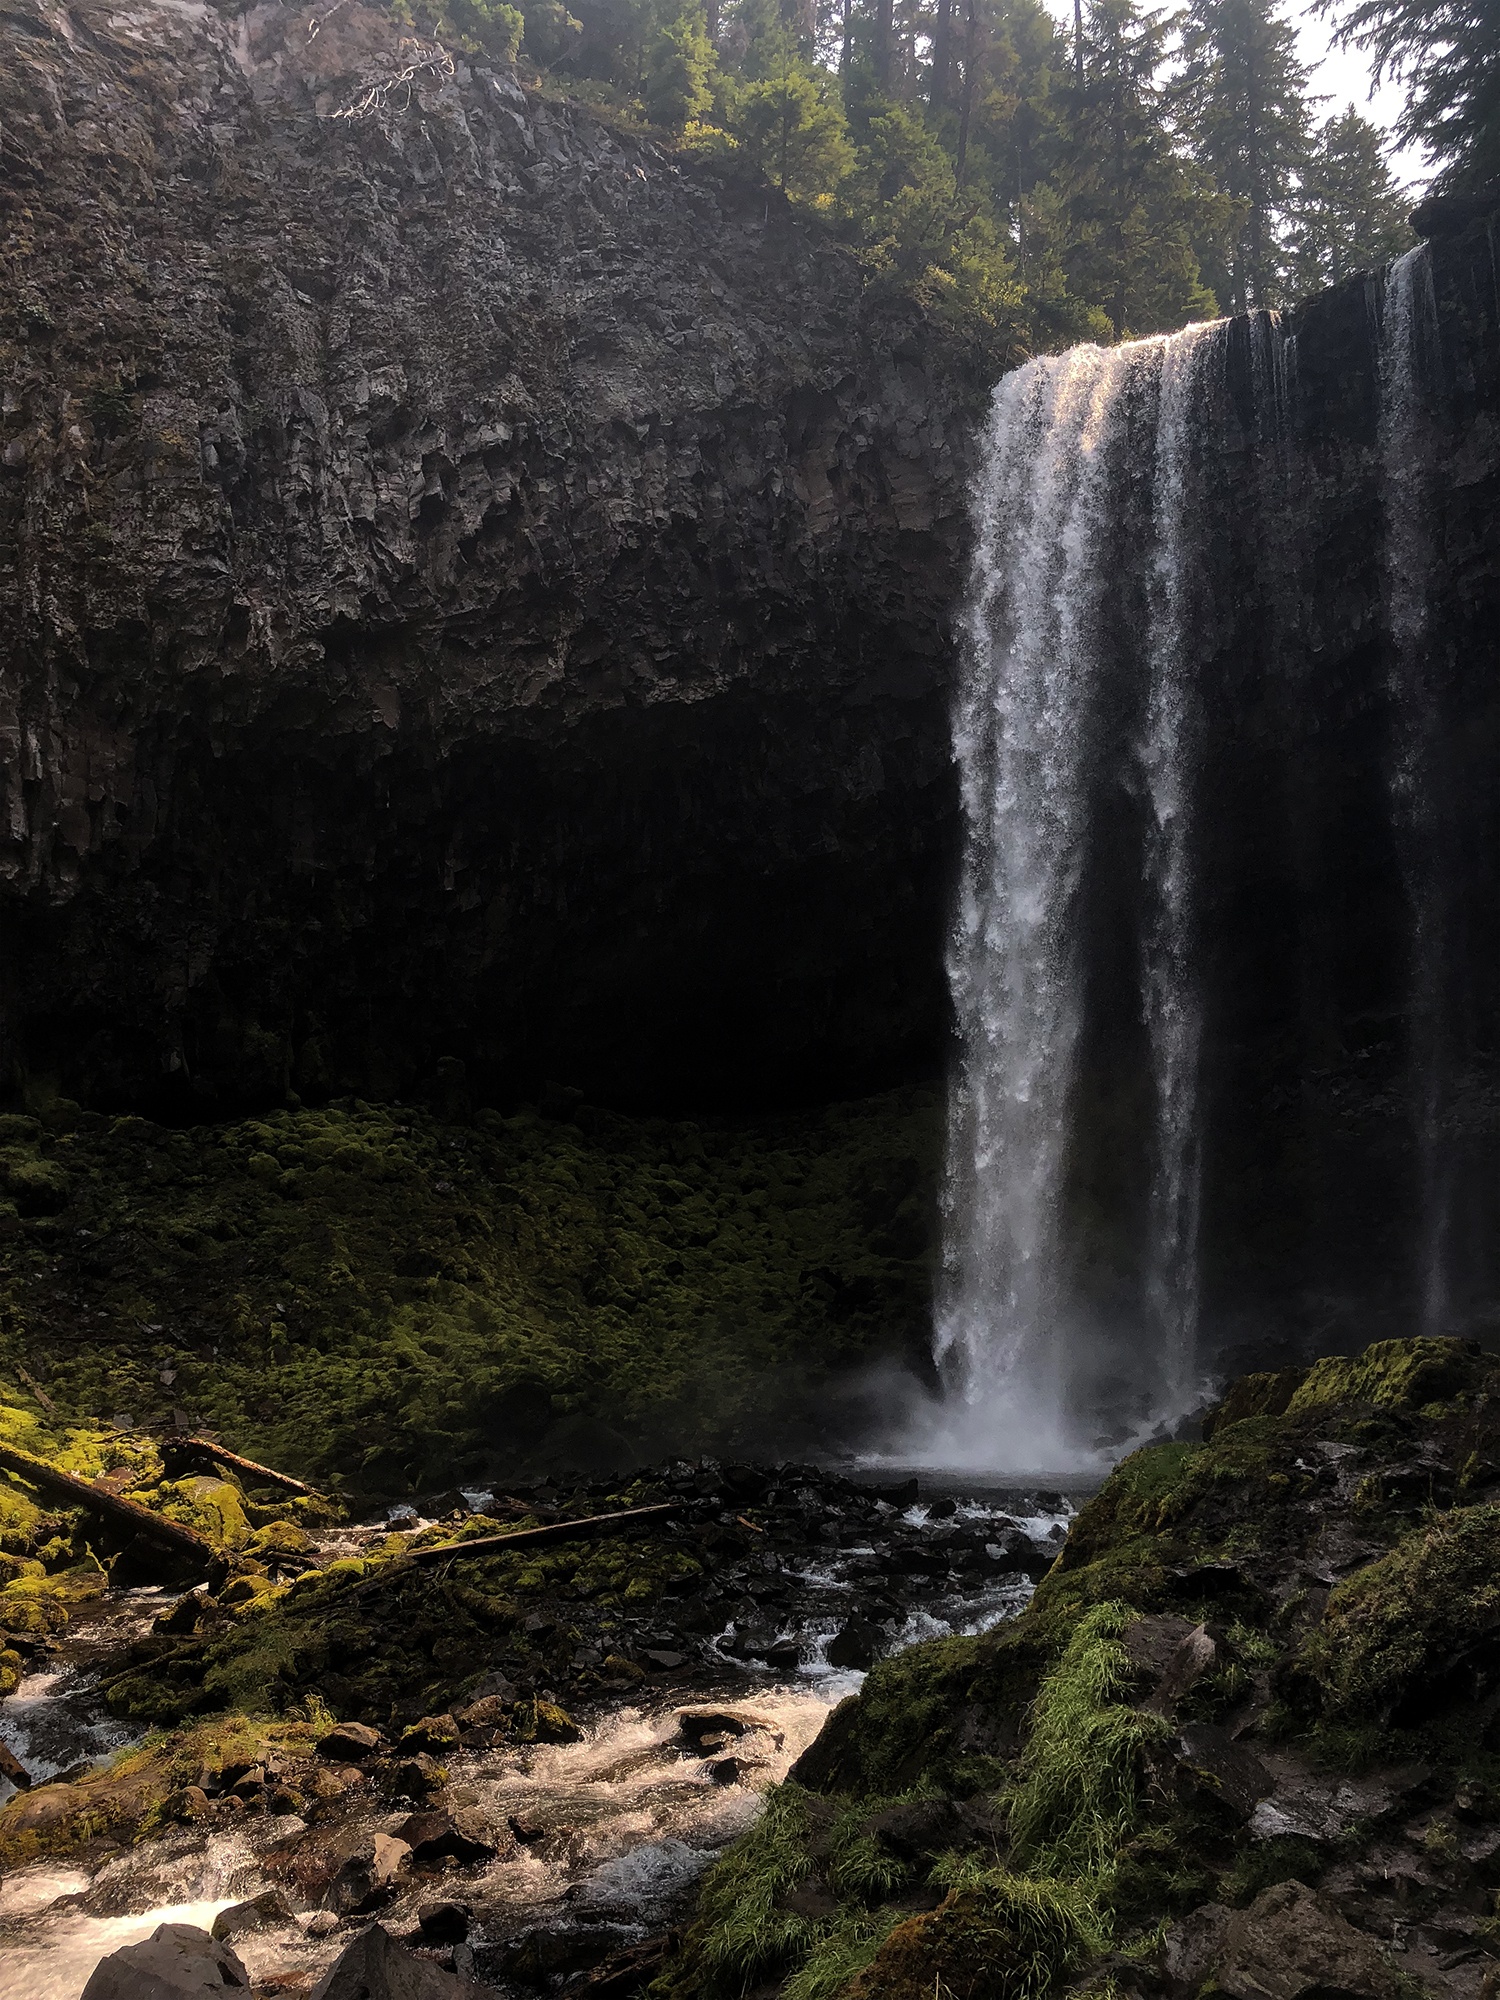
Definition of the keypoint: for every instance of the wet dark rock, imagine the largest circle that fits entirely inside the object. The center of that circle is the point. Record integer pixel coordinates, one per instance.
(921, 1827)
(1190, 1949)
(855, 1644)
(1210, 1762)
(414, 1777)
(341, 1869)
(1290, 1945)
(375, 1967)
(724, 1770)
(435, 1733)
(1306, 1806)
(462, 1833)
(267, 1911)
(177, 1962)
(443, 1923)
(490, 1711)
(350, 1743)
(546, 1954)
(1153, 1641)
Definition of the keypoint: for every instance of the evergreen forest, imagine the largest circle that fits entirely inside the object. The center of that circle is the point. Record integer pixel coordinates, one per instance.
(1028, 181)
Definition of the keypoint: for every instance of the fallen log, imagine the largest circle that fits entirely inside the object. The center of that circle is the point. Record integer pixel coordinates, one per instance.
(112, 1506)
(263, 1474)
(37, 1390)
(584, 1530)
(11, 1767)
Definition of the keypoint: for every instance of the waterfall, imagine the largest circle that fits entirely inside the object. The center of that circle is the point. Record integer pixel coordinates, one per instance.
(1408, 332)
(1057, 498)
(1172, 1001)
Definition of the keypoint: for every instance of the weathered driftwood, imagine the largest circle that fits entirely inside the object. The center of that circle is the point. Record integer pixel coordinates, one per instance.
(587, 1529)
(11, 1767)
(263, 1474)
(113, 1506)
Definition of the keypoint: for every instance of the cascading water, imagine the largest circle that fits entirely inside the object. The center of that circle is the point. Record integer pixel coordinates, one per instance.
(1173, 1004)
(1058, 479)
(1408, 332)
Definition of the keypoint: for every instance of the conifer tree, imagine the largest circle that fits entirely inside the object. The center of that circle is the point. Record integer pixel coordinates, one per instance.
(679, 66)
(1448, 54)
(1350, 212)
(1243, 98)
(1135, 202)
(789, 122)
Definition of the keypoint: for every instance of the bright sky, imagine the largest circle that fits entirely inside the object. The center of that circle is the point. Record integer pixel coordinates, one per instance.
(1343, 77)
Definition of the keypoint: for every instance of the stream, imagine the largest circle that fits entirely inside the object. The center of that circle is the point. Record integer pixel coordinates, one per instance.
(600, 1840)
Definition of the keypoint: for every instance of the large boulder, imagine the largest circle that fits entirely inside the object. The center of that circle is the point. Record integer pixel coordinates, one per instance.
(177, 1962)
(1290, 1945)
(375, 1967)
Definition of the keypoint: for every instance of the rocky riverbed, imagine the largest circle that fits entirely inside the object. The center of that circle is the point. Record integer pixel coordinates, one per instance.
(546, 1825)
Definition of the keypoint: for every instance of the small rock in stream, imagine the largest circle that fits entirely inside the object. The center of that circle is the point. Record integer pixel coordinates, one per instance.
(177, 1962)
(431, 1835)
(443, 1923)
(265, 1912)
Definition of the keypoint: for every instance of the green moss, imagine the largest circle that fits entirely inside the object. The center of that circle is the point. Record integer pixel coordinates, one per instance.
(1401, 1624)
(1392, 1374)
(1004, 1937)
(212, 1506)
(375, 1297)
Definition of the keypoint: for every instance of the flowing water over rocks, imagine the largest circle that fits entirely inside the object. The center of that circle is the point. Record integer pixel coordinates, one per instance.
(536, 1866)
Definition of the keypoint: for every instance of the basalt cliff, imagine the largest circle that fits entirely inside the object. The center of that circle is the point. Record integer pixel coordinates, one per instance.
(474, 590)
(479, 600)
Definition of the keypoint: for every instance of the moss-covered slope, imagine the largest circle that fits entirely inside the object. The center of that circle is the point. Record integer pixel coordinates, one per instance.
(1268, 1659)
(374, 1297)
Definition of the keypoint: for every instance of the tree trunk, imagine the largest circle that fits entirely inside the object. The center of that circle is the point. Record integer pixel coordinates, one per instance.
(205, 1448)
(966, 108)
(589, 1529)
(942, 55)
(884, 24)
(99, 1500)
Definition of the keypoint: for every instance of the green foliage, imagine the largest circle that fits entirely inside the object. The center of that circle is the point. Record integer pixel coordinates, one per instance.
(1351, 214)
(1244, 97)
(839, 1955)
(679, 69)
(1136, 203)
(997, 1934)
(477, 27)
(742, 1935)
(790, 124)
(551, 32)
(1448, 54)
(1079, 1782)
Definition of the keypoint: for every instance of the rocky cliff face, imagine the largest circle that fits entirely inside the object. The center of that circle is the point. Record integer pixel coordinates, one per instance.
(475, 610)
(472, 589)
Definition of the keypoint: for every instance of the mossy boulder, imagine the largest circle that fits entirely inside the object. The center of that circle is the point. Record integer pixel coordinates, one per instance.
(1401, 1633)
(211, 1506)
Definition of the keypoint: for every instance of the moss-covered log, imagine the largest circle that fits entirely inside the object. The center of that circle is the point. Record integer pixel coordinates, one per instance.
(182, 1541)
